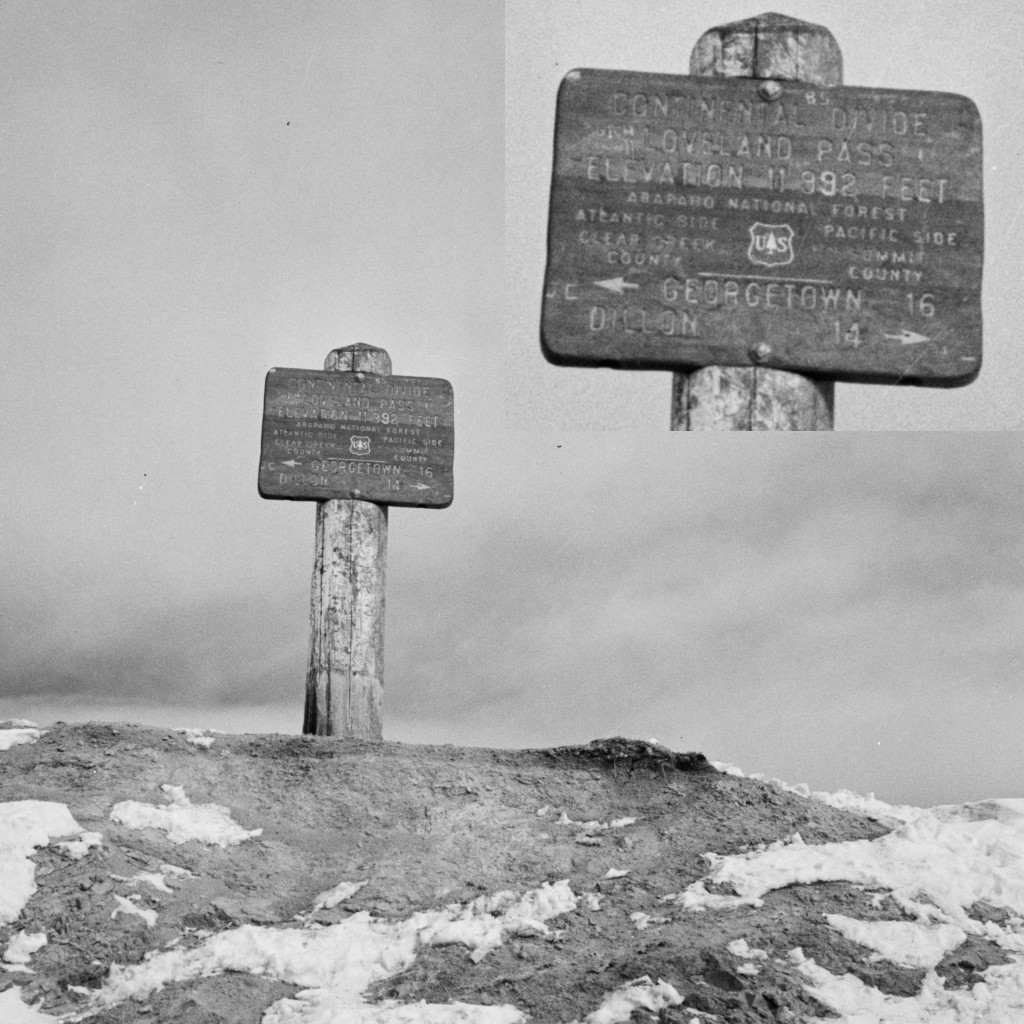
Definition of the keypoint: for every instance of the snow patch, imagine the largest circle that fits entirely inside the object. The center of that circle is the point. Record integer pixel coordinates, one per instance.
(333, 1010)
(936, 865)
(908, 943)
(153, 878)
(845, 800)
(997, 1000)
(593, 826)
(956, 859)
(868, 806)
(201, 738)
(76, 849)
(14, 1011)
(332, 897)
(183, 821)
(644, 921)
(157, 879)
(336, 963)
(26, 825)
(13, 736)
(21, 947)
(740, 948)
(641, 994)
(696, 898)
(126, 906)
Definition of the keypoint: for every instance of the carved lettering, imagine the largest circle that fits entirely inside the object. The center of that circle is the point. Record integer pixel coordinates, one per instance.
(908, 190)
(880, 121)
(665, 323)
(727, 293)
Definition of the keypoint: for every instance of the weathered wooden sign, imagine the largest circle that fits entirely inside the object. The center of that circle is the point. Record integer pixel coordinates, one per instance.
(699, 221)
(383, 439)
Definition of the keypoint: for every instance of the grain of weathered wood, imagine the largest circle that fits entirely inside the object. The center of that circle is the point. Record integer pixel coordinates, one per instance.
(770, 46)
(747, 398)
(345, 673)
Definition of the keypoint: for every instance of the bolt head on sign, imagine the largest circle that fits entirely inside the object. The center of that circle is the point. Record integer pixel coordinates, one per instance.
(697, 221)
(385, 439)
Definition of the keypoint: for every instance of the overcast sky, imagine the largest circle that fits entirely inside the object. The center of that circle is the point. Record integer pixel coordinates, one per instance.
(197, 193)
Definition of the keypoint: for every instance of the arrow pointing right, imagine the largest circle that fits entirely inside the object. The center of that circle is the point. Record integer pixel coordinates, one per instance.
(906, 337)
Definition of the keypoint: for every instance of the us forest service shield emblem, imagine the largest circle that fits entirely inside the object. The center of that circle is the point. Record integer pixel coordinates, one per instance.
(771, 245)
(359, 445)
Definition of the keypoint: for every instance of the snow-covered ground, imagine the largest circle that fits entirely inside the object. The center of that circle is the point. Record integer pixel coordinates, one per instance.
(184, 821)
(16, 731)
(936, 863)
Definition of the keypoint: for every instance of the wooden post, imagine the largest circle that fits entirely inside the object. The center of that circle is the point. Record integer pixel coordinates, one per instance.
(770, 46)
(345, 675)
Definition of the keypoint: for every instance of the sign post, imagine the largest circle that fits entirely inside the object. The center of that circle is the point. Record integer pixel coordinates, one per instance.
(762, 231)
(355, 439)
(741, 397)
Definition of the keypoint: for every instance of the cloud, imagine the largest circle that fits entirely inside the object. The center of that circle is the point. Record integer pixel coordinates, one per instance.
(861, 560)
(763, 598)
(213, 650)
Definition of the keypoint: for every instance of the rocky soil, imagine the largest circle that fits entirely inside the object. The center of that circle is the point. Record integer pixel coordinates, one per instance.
(427, 826)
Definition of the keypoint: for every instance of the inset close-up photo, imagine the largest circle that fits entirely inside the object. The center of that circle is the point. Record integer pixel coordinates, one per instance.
(784, 221)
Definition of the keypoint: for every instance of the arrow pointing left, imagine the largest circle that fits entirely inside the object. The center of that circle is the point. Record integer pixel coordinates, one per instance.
(616, 284)
(292, 463)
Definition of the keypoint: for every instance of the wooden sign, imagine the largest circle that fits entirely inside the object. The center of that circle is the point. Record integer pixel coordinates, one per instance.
(700, 221)
(384, 439)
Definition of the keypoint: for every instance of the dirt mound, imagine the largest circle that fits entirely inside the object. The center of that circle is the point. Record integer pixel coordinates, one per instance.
(624, 822)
